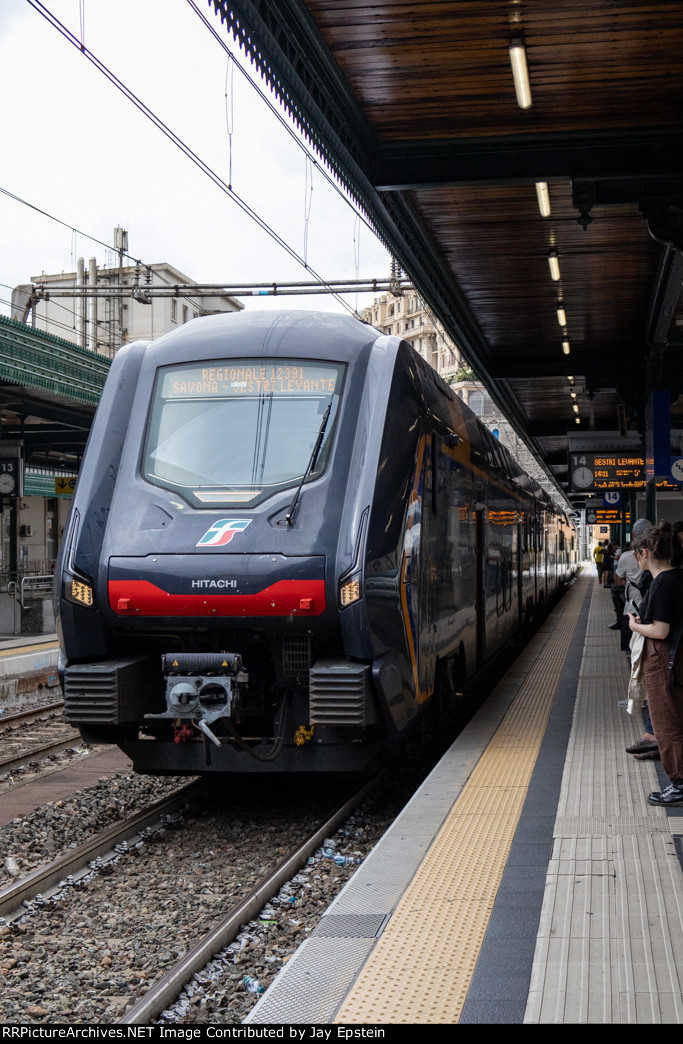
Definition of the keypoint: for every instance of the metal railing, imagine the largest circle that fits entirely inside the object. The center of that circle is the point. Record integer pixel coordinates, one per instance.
(28, 584)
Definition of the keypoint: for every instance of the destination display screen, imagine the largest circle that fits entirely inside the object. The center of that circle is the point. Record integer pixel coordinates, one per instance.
(603, 471)
(249, 378)
(607, 516)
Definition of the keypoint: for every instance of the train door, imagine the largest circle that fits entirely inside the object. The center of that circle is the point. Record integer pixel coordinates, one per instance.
(418, 588)
(429, 556)
(519, 559)
(480, 596)
(535, 553)
(547, 555)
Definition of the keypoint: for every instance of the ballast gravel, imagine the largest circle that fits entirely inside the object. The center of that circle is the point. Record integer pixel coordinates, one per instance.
(95, 949)
(42, 835)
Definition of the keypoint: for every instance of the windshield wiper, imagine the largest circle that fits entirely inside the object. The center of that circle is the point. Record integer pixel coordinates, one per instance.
(310, 465)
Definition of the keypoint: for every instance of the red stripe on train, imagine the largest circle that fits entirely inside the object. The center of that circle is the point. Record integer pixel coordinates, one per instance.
(284, 598)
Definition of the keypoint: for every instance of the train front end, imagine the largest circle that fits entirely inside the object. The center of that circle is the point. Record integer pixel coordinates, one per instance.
(213, 542)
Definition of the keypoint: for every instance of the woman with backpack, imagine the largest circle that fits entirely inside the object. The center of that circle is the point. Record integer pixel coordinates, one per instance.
(660, 621)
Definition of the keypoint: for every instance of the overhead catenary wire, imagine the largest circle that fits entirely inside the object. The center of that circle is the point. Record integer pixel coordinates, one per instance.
(58, 304)
(229, 112)
(65, 224)
(94, 239)
(192, 291)
(180, 144)
(281, 119)
(308, 203)
(67, 327)
(290, 130)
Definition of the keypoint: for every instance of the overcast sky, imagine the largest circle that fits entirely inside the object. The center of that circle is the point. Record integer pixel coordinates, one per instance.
(74, 147)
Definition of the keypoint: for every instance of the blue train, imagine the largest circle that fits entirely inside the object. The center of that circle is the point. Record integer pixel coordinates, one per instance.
(288, 537)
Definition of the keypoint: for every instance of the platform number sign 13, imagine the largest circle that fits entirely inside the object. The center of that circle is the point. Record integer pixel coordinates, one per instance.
(10, 476)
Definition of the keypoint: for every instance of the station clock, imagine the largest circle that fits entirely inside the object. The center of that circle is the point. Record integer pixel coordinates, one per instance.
(11, 473)
(582, 477)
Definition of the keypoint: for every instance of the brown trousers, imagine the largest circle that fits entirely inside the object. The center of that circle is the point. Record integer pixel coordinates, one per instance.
(666, 707)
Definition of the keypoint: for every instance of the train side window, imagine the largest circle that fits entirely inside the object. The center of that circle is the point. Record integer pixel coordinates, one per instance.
(500, 455)
(489, 448)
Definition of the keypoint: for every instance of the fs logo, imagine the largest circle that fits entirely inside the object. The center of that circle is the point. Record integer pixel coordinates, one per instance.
(223, 531)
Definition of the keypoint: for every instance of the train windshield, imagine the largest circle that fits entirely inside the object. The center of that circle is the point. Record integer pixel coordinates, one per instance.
(229, 434)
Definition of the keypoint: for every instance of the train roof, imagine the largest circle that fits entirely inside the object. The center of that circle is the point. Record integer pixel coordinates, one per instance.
(270, 333)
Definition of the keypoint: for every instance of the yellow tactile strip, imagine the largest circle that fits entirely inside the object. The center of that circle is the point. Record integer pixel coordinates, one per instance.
(421, 967)
(21, 650)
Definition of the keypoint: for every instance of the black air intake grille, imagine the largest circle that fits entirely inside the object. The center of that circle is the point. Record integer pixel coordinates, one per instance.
(296, 659)
(112, 692)
(339, 693)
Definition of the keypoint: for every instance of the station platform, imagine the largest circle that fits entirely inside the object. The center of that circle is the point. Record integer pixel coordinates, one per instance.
(528, 880)
(21, 653)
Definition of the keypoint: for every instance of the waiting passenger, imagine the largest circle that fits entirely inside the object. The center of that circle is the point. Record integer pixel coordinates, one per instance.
(607, 564)
(677, 559)
(597, 555)
(618, 601)
(660, 621)
(636, 582)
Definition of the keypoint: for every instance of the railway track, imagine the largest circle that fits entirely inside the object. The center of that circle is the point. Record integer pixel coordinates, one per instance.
(34, 735)
(11, 720)
(154, 911)
(217, 938)
(102, 845)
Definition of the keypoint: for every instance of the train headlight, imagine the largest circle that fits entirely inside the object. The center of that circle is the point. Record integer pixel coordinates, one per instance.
(76, 588)
(349, 592)
(79, 591)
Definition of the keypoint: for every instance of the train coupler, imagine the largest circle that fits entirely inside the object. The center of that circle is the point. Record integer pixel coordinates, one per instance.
(202, 687)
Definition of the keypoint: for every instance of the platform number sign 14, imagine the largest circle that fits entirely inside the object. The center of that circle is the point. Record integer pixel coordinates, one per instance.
(582, 476)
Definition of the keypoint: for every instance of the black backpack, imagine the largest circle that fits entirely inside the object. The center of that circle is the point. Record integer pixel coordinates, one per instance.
(674, 642)
(644, 582)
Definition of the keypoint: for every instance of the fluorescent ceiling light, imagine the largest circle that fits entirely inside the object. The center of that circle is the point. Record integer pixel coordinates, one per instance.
(554, 263)
(520, 73)
(565, 347)
(561, 314)
(543, 197)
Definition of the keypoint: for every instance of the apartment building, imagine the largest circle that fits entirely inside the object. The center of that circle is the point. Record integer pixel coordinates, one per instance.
(407, 316)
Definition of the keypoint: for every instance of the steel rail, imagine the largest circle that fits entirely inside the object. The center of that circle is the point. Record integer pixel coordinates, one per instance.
(29, 715)
(44, 877)
(171, 983)
(39, 753)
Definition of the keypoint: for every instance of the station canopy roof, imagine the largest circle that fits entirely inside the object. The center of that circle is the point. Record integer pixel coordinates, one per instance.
(413, 105)
(49, 390)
